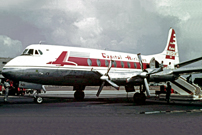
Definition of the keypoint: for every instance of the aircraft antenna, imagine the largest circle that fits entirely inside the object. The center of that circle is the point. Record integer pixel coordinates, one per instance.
(41, 42)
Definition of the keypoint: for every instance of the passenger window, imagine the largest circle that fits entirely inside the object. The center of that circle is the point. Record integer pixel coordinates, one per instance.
(115, 64)
(135, 65)
(98, 62)
(89, 62)
(122, 64)
(128, 63)
(106, 63)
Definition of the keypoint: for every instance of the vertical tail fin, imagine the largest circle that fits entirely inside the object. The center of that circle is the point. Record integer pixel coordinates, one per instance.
(171, 51)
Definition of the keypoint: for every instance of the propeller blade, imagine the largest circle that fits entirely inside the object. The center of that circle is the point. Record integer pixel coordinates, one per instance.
(147, 87)
(105, 78)
(140, 60)
(113, 84)
(109, 67)
(100, 89)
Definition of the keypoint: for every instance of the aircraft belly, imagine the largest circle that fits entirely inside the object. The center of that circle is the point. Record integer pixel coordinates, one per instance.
(56, 77)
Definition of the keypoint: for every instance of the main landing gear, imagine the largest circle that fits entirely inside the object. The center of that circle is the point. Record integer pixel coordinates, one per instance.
(79, 94)
(140, 98)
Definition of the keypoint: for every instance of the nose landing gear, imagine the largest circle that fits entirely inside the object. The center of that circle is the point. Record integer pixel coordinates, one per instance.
(37, 98)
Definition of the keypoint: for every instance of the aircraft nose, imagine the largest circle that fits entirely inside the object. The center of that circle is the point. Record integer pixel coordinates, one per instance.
(7, 73)
(4, 72)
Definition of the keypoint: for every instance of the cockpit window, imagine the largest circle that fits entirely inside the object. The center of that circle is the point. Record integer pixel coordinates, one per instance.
(40, 52)
(36, 52)
(25, 51)
(28, 52)
(31, 51)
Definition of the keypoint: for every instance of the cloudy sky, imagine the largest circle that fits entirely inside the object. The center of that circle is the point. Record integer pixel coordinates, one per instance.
(122, 25)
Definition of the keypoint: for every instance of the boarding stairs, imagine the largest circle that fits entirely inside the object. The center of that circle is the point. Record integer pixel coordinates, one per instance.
(184, 90)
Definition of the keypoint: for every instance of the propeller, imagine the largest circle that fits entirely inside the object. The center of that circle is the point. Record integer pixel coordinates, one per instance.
(106, 78)
(144, 74)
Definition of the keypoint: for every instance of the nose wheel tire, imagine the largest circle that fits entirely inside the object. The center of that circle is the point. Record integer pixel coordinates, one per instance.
(38, 100)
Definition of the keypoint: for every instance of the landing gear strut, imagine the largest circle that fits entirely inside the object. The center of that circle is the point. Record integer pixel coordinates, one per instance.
(37, 98)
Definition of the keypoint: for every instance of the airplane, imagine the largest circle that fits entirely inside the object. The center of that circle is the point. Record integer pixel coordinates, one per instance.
(80, 67)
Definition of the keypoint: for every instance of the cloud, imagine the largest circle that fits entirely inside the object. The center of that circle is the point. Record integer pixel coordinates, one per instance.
(9, 47)
(129, 26)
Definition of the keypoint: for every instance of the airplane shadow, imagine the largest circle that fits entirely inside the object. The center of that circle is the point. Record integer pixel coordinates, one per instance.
(100, 101)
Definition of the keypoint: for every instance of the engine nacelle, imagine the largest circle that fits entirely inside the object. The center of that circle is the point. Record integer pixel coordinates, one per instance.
(129, 88)
(161, 78)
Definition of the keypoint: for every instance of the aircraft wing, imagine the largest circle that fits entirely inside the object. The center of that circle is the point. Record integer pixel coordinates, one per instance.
(181, 64)
(134, 77)
(183, 71)
(116, 78)
(117, 75)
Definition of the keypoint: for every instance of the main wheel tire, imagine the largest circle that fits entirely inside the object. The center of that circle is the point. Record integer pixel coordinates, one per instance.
(79, 95)
(139, 98)
(135, 97)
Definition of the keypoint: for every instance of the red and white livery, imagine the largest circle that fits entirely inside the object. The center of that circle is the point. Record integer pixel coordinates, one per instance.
(80, 67)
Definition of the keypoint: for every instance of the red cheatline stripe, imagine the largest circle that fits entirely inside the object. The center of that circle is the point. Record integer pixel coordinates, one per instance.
(83, 62)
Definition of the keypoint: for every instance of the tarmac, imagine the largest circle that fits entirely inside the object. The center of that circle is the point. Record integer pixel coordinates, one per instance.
(112, 113)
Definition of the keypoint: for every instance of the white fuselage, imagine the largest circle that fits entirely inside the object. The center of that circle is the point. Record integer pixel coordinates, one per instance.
(62, 65)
